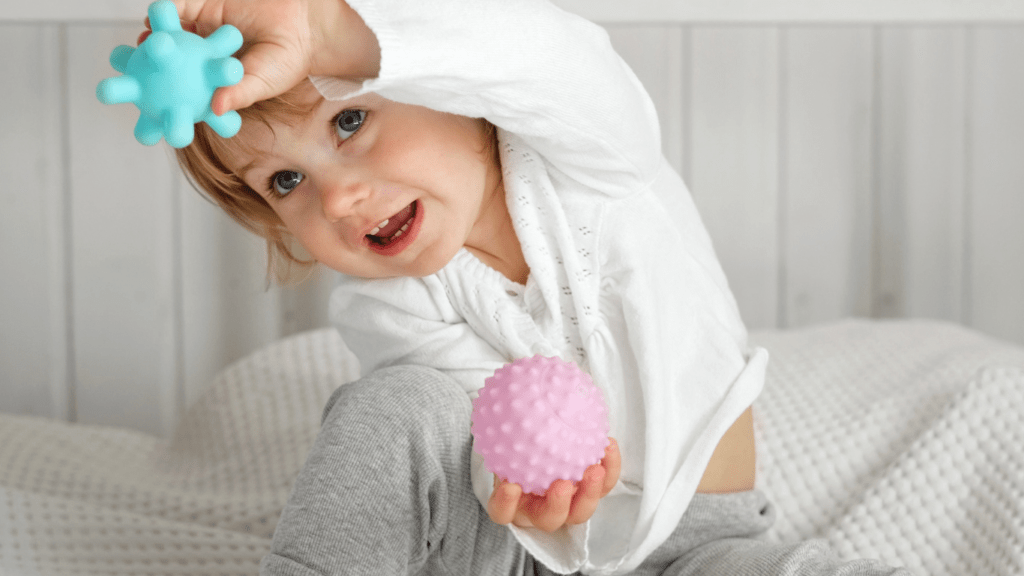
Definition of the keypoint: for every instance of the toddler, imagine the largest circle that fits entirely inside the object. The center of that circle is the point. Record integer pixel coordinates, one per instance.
(487, 176)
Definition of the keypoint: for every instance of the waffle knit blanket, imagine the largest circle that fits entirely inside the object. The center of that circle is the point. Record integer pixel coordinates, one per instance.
(896, 440)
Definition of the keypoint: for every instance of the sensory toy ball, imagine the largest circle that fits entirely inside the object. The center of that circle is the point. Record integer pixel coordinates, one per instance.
(538, 420)
(171, 78)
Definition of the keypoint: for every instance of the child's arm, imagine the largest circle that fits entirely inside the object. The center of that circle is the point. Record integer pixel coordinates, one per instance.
(548, 76)
(286, 41)
(525, 65)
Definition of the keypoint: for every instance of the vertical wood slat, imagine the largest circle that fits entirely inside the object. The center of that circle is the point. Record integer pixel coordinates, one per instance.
(126, 371)
(226, 310)
(996, 181)
(827, 75)
(205, 337)
(33, 304)
(922, 155)
(734, 159)
(716, 96)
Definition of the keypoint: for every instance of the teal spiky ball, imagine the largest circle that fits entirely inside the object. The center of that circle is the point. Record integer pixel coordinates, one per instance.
(171, 78)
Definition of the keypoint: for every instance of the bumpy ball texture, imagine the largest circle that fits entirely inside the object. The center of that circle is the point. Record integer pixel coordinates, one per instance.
(171, 78)
(538, 420)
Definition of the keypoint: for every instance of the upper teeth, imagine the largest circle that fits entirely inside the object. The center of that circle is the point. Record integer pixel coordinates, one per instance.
(379, 226)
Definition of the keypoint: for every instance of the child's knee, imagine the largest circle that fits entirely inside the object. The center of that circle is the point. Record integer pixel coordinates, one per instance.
(403, 396)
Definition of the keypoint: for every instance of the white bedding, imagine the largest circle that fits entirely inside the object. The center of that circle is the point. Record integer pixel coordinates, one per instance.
(899, 440)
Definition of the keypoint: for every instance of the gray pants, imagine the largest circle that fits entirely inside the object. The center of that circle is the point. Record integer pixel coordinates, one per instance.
(386, 490)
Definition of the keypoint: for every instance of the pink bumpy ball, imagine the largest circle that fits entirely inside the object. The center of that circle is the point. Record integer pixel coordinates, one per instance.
(538, 420)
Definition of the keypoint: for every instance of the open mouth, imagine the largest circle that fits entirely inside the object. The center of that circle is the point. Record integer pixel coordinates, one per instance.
(394, 234)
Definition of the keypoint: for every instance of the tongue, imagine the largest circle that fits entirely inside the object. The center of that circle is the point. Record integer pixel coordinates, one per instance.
(396, 222)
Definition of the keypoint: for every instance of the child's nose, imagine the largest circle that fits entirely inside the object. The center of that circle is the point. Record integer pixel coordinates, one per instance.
(340, 197)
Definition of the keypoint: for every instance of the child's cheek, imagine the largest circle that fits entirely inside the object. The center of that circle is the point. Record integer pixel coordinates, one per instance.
(359, 147)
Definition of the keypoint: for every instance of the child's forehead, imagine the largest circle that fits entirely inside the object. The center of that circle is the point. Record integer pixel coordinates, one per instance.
(263, 122)
(303, 103)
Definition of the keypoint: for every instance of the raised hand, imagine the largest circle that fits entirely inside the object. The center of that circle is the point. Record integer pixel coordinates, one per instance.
(285, 41)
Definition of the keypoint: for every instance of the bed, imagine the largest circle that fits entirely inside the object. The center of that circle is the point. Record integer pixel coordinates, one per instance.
(900, 440)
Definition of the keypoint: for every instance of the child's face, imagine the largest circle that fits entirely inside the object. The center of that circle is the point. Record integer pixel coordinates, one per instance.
(335, 175)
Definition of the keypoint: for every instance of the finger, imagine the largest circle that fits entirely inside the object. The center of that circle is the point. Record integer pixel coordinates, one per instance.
(612, 463)
(588, 495)
(527, 503)
(208, 13)
(504, 502)
(549, 513)
(265, 77)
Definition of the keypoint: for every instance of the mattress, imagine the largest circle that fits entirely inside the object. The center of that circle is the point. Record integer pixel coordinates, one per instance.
(899, 440)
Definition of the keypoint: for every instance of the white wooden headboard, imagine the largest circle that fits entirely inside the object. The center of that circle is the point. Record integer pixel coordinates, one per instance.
(850, 157)
(638, 11)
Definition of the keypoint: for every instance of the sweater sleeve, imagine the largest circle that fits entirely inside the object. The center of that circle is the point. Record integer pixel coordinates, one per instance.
(528, 67)
(409, 321)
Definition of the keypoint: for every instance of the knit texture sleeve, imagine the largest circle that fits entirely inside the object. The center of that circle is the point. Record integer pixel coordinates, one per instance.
(408, 321)
(527, 66)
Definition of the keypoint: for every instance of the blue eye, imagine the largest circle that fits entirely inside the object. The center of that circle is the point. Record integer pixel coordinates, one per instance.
(285, 181)
(348, 122)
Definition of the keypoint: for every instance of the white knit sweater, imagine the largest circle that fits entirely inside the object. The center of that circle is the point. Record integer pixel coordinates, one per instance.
(623, 279)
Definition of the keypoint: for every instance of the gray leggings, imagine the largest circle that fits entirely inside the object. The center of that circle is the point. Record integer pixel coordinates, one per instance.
(386, 490)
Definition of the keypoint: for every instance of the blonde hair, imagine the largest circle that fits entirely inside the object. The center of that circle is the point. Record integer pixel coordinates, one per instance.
(203, 163)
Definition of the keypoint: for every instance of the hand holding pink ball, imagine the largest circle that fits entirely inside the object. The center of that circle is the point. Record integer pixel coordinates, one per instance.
(538, 420)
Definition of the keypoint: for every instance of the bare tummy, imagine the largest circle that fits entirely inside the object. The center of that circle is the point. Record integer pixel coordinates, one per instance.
(731, 468)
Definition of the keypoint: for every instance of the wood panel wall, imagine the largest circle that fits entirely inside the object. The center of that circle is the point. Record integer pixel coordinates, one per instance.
(842, 170)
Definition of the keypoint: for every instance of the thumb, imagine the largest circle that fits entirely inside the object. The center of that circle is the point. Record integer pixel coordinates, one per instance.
(267, 74)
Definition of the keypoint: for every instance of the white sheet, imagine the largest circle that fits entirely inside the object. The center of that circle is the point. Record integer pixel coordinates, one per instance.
(896, 440)
(902, 441)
